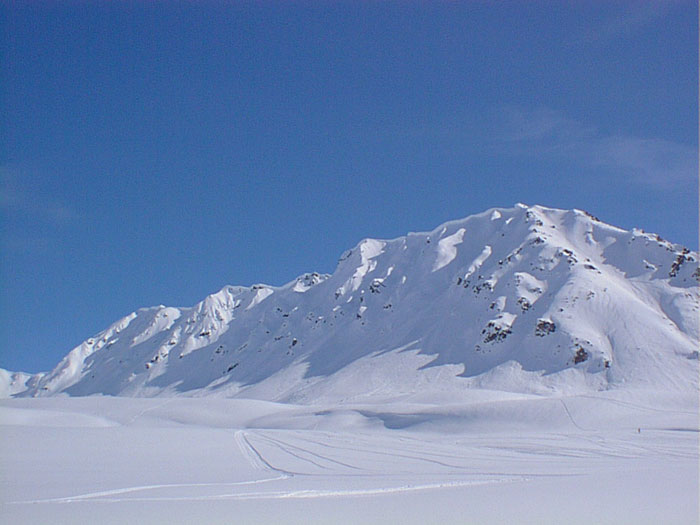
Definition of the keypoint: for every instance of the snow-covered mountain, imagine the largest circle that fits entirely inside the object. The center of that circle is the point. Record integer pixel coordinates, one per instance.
(527, 299)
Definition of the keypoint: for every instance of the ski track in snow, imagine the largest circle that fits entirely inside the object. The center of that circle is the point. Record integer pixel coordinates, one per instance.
(293, 494)
(571, 418)
(254, 457)
(627, 404)
(103, 495)
(300, 453)
(147, 410)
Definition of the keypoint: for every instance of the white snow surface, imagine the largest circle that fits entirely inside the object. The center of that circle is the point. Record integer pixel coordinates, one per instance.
(547, 373)
(489, 457)
(447, 249)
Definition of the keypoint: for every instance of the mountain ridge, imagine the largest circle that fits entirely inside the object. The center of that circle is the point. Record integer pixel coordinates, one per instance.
(529, 298)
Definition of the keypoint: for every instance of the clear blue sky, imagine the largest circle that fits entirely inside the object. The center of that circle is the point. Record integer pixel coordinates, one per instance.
(151, 153)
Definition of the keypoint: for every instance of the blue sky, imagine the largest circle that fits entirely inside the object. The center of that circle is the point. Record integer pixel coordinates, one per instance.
(153, 152)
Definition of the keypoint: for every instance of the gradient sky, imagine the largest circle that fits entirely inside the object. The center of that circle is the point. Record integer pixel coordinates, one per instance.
(152, 153)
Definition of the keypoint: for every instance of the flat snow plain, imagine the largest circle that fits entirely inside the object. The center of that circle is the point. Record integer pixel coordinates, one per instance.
(491, 457)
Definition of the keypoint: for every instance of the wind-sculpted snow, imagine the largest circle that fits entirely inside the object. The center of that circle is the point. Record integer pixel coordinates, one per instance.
(525, 299)
(447, 249)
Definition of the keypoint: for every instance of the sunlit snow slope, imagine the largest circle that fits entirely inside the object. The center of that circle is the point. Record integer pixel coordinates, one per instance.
(526, 299)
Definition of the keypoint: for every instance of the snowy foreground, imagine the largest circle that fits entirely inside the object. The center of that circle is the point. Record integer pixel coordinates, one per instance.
(493, 458)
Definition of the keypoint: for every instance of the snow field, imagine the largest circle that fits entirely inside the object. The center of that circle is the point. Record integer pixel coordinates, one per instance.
(497, 458)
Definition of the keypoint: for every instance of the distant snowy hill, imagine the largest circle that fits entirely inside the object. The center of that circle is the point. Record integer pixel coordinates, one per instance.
(525, 299)
(12, 383)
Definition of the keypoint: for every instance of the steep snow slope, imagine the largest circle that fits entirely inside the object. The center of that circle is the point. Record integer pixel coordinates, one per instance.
(526, 299)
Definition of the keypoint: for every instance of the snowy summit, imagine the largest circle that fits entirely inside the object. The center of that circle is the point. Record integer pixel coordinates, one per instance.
(526, 299)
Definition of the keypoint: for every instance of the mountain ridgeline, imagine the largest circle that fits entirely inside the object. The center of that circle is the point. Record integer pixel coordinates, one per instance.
(526, 299)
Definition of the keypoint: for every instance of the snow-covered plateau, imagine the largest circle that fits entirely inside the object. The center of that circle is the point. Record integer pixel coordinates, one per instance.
(525, 364)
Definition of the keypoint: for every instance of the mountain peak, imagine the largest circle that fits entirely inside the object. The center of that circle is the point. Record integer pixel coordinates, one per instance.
(529, 298)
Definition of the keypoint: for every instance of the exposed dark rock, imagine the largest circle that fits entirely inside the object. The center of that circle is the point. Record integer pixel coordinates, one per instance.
(524, 304)
(487, 285)
(580, 356)
(375, 286)
(682, 258)
(544, 327)
(495, 333)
